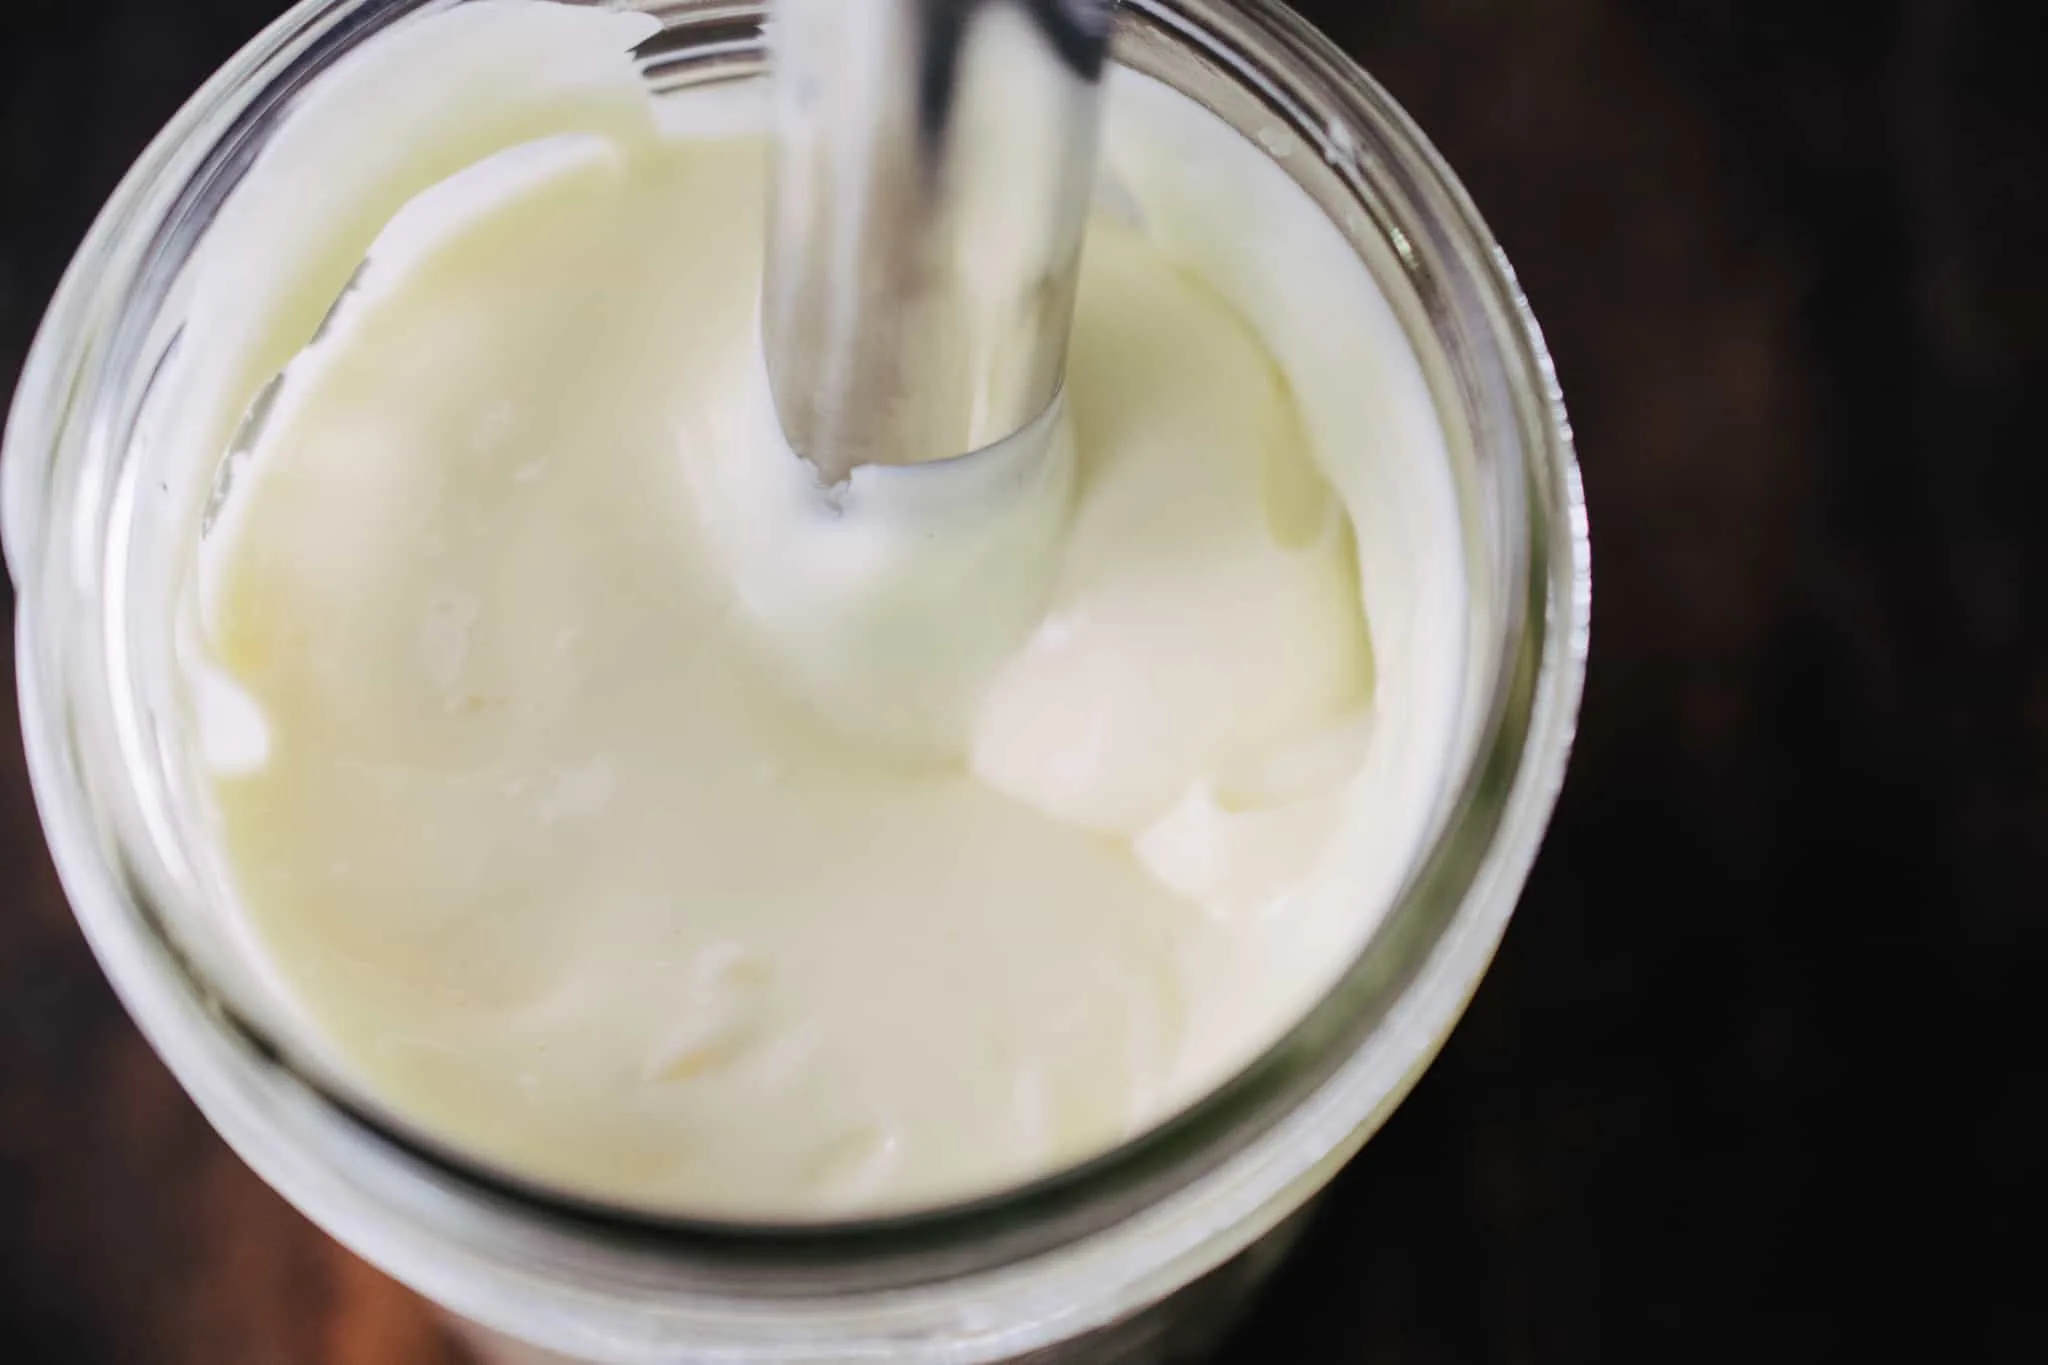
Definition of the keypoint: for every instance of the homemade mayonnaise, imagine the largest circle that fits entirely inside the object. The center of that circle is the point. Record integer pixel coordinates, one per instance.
(612, 802)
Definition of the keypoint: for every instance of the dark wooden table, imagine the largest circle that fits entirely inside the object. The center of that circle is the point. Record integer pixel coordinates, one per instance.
(1751, 1078)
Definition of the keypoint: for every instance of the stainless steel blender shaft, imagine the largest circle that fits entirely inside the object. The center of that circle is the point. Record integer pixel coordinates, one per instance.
(933, 166)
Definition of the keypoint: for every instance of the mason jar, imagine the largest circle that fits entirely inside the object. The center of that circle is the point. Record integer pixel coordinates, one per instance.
(1141, 1254)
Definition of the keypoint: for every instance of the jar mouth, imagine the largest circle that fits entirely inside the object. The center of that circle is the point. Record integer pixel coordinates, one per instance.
(1278, 1126)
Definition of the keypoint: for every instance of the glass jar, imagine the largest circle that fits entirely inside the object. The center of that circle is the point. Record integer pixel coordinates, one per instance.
(1137, 1255)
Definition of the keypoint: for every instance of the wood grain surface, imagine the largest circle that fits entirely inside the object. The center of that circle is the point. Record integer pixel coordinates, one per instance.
(1758, 1073)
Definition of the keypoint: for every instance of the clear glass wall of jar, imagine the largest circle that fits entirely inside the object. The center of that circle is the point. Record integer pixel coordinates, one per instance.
(1090, 1264)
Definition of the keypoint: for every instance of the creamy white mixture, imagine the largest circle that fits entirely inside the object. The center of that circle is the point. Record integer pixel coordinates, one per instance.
(606, 798)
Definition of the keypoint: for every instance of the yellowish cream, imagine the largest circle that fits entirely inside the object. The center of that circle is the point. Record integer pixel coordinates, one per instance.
(612, 801)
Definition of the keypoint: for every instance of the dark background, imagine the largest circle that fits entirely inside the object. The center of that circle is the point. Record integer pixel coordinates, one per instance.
(1759, 1073)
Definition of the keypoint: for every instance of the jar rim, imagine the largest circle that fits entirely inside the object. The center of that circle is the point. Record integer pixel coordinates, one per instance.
(1280, 1128)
